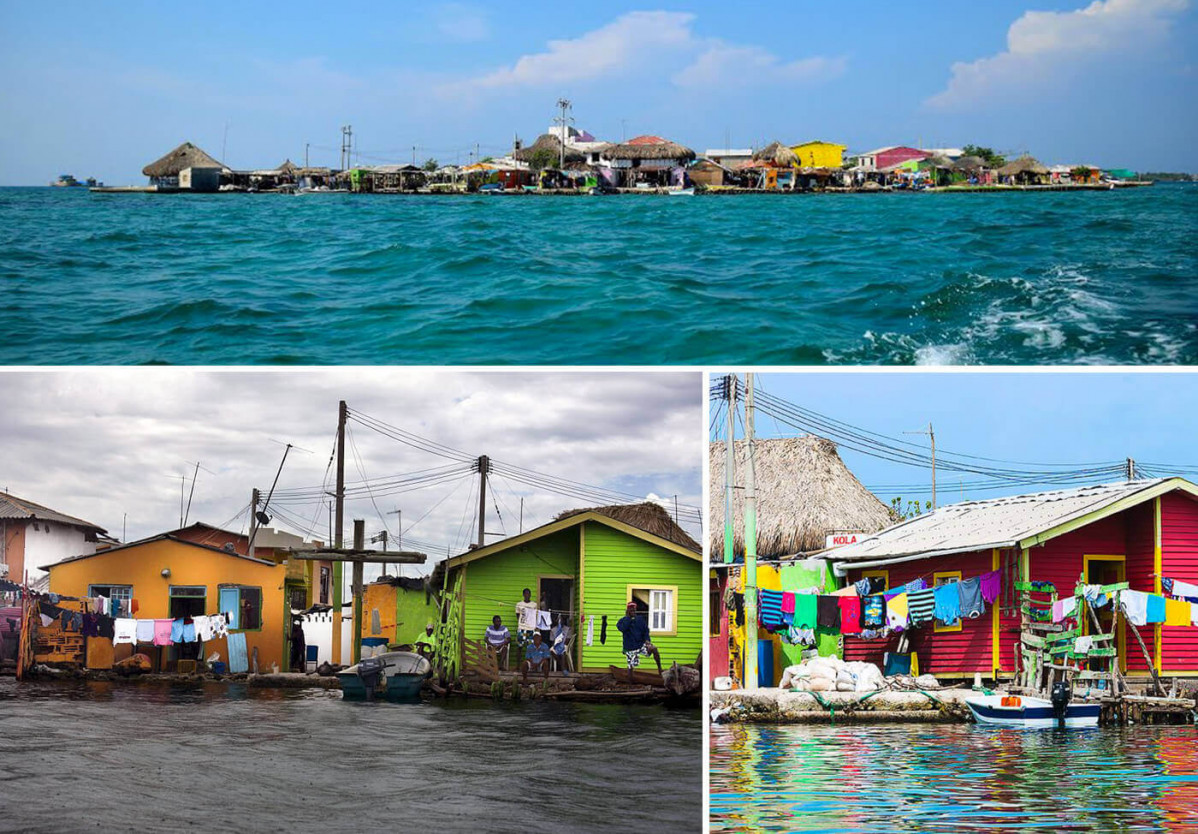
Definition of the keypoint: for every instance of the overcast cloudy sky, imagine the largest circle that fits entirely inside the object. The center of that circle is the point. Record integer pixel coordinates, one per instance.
(102, 443)
(102, 89)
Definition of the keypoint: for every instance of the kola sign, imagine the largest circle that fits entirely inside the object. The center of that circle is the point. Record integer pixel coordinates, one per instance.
(841, 539)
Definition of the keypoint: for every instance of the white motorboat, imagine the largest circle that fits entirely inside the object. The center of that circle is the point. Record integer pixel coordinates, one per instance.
(1030, 713)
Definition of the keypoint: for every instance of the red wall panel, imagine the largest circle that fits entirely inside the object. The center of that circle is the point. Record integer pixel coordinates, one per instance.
(1179, 560)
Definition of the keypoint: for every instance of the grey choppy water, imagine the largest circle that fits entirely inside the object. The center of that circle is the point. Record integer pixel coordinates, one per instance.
(953, 778)
(1036, 278)
(119, 757)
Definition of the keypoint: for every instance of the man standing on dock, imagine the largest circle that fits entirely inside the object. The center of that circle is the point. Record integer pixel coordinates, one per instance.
(526, 619)
(636, 639)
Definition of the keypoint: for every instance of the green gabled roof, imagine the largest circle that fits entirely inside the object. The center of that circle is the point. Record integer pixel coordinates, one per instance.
(567, 523)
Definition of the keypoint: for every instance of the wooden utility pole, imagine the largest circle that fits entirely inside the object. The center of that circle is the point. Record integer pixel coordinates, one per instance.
(750, 543)
(255, 498)
(338, 526)
(484, 466)
(359, 544)
(1131, 469)
(729, 465)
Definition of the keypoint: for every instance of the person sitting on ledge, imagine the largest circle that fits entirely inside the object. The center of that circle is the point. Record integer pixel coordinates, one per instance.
(499, 640)
(536, 656)
(426, 644)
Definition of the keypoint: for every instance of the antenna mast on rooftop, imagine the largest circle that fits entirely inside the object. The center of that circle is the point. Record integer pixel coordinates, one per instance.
(563, 122)
(931, 436)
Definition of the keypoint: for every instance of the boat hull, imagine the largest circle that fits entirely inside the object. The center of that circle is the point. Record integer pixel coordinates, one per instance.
(1032, 713)
(402, 678)
(394, 688)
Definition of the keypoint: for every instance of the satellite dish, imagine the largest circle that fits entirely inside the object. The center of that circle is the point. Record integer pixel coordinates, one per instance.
(262, 517)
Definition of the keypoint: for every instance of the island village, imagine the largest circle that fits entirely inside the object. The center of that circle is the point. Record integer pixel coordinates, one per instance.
(569, 160)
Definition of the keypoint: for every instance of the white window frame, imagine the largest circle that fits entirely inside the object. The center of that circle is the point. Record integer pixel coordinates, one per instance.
(668, 612)
(123, 593)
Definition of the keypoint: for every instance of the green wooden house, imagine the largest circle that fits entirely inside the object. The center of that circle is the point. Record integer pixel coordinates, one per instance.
(588, 564)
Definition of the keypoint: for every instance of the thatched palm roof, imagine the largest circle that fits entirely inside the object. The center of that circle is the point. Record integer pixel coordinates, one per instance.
(970, 163)
(186, 155)
(288, 167)
(804, 492)
(548, 142)
(649, 147)
(1023, 165)
(648, 516)
(778, 154)
(938, 161)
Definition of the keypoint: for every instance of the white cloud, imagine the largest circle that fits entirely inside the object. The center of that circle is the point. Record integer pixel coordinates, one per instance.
(1041, 45)
(658, 41)
(626, 42)
(729, 65)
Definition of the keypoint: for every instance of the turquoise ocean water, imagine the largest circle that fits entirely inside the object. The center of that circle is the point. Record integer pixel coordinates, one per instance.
(845, 279)
(921, 777)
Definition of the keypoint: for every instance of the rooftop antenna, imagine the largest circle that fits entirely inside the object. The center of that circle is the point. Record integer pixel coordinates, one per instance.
(932, 436)
(563, 121)
(187, 512)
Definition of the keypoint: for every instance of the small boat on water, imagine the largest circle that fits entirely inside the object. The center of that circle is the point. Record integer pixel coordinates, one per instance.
(393, 676)
(69, 181)
(681, 192)
(1032, 713)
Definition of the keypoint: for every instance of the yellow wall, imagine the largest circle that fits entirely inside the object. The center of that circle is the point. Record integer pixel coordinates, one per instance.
(819, 154)
(141, 566)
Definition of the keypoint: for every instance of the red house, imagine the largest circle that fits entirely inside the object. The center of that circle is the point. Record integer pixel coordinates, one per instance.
(1135, 531)
(885, 157)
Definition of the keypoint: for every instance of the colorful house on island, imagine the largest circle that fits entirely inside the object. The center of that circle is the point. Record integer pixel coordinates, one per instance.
(888, 157)
(586, 565)
(819, 154)
(395, 611)
(806, 497)
(170, 578)
(1140, 532)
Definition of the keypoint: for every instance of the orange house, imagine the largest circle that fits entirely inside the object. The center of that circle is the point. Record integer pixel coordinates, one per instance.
(171, 578)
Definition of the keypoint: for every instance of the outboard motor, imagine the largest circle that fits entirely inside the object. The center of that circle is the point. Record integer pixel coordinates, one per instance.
(1062, 694)
(370, 670)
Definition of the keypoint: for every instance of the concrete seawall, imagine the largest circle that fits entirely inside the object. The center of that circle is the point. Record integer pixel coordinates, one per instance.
(782, 706)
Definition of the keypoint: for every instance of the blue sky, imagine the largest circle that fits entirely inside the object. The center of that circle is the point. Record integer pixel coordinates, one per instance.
(1029, 418)
(102, 89)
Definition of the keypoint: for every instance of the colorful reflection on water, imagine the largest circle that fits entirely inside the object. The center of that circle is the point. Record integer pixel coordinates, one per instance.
(953, 778)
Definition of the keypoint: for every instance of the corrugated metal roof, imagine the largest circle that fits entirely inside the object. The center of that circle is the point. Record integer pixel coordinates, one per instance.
(998, 522)
(13, 507)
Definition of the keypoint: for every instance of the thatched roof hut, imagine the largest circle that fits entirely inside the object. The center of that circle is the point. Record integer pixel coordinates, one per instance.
(938, 161)
(804, 492)
(549, 142)
(777, 154)
(970, 163)
(649, 147)
(288, 167)
(648, 516)
(1023, 165)
(186, 155)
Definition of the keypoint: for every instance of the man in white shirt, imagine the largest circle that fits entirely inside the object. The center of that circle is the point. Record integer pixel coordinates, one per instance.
(526, 619)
